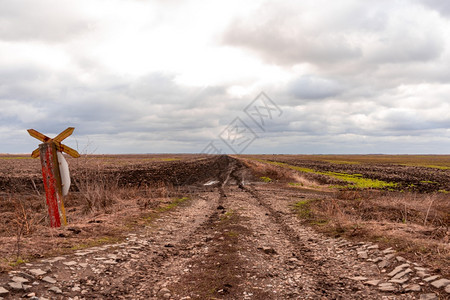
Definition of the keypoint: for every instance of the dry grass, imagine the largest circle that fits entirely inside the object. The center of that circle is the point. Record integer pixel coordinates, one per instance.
(99, 209)
(415, 224)
(278, 174)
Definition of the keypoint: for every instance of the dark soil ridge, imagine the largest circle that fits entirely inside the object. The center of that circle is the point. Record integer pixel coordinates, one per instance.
(411, 178)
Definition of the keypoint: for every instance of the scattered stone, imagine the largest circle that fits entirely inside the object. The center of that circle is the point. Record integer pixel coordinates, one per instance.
(399, 281)
(37, 272)
(372, 282)
(268, 250)
(363, 254)
(430, 296)
(70, 263)
(55, 289)
(3, 291)
(420, 269)
(422, 274)
(167, 296)
(49, 279)
(389, 256)
(384, 264)
(359, 278)
(110, 262)
(16, 285)
(164, 291)
(19, 279)
(388, 250)
(398, 269)
(428, 279)
(76, 289)
(440, 283)
(447, 289)
(401, 274)
(373, 247)
(386, 287)
(25, 275)
(55, 259)
(375, 260)
(400, 258)
(31, 295)
(413, 288)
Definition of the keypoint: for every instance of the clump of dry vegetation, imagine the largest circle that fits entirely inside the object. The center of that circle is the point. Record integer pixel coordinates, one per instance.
(100, 207)
(415, 224)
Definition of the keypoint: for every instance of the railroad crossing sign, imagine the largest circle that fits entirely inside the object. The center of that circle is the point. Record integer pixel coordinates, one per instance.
(57, 140)
(55, 172)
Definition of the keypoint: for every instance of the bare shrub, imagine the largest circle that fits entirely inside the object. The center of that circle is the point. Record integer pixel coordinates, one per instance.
(24, 219)
(24, 222)
(95, 188)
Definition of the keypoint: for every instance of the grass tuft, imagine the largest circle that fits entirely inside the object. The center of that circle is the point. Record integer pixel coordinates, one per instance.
(266, 179)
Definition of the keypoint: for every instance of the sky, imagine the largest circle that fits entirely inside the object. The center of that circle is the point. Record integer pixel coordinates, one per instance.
(236, 76)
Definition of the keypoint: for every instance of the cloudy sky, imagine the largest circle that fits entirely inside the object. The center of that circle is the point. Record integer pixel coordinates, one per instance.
(137, 76)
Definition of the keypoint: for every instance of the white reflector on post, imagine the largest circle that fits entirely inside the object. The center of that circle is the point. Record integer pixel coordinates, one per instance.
(65, 175)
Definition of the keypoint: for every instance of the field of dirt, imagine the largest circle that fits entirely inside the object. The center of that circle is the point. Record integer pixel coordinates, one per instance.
(423, 174)
(229, 227)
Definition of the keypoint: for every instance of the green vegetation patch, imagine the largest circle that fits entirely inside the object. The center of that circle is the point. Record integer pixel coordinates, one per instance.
(356, 180)
(17, 262)
(172, 204)
(152, 216)
(303, 208)
(266, 179)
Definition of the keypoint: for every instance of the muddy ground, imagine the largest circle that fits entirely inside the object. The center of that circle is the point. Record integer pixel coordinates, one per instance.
(214, 227)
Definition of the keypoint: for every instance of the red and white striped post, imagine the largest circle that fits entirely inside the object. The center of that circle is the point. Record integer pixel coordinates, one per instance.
(48, 152)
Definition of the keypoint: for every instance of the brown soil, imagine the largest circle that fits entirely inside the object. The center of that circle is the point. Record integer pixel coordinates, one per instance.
(167, 235)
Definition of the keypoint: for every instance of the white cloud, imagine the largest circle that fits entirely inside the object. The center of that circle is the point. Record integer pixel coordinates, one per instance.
(351, 76)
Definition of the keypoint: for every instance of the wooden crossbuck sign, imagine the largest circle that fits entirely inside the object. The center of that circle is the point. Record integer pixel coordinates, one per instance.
(55, 172)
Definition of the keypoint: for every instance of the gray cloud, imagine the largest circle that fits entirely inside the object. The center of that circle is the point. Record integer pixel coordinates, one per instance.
(443, 7)
(45, 20)
(276, 33)
(363, 33)
(355, 77)
(310, 87)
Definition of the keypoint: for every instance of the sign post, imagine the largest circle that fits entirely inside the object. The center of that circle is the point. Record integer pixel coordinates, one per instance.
(56, 187)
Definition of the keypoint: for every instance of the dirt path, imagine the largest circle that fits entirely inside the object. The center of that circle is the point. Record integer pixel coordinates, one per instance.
(232, 240)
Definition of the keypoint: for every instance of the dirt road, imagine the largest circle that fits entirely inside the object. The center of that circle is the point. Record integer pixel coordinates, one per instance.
(234, 239)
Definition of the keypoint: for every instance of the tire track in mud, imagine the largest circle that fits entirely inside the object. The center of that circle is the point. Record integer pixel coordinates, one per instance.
(273, 256)
(314, 279)
(260, 266)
